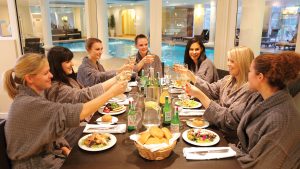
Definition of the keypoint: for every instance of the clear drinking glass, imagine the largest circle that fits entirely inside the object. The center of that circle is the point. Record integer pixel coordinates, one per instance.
(125, 75)
(152, 115)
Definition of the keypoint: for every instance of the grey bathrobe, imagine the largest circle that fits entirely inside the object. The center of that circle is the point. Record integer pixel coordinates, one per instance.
(207, 71)
(90, 74)
(269, 133)
(63, 93)
(156, 65)
(35, 127)
(224, 100)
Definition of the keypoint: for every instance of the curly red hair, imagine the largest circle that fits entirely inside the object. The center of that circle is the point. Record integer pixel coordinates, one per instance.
(279, 69)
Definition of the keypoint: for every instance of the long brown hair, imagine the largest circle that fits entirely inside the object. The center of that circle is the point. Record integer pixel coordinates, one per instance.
(279, 69)
(29, 63)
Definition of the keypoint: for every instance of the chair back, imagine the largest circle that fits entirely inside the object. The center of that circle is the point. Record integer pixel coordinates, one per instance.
(4, 160)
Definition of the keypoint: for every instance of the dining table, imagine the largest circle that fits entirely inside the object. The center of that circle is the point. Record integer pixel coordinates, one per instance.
(124, 154)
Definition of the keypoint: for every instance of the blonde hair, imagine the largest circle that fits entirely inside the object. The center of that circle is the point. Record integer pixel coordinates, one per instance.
(243, 56)
(30, 63)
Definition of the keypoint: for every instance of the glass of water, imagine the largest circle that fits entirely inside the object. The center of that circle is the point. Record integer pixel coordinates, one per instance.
(152, 115)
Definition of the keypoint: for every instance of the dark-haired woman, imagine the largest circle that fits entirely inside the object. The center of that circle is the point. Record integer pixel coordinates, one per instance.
(91, 72)
(65, 88)
(197, 61)
(268, 128)
(144, 58)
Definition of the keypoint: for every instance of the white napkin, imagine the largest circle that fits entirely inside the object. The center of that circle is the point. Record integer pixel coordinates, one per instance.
(175, 90)
(133, 84)
(104, 128)
(187, 152)
(155, 147)
(191, 112)
(125, 102)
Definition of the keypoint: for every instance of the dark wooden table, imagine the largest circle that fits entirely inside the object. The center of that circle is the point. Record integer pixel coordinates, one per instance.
(125, 155)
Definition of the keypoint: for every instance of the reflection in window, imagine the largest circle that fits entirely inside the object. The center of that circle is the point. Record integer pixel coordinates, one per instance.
(280, 25)
(5, 30)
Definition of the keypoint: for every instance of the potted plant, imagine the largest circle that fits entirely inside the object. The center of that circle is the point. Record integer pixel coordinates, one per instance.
(112, 25)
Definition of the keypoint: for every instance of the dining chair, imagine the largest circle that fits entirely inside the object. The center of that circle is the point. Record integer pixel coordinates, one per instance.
(4, 160)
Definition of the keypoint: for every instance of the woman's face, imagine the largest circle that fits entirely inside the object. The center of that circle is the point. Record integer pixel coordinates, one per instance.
(142, 46)
(253, 78)
(96, 51)
(195, 51)
(42, 80)
(232, 67)
(67, 67)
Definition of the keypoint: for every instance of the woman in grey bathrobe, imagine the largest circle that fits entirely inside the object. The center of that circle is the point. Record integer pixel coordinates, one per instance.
(227, 93)
(268, 128)
(35, 125)
(197, 61)
(91, 72)
(144, 59)
(66, 89)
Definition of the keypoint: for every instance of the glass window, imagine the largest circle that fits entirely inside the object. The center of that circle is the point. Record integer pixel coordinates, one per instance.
(280, 25)
(5, 30)
(182, 22)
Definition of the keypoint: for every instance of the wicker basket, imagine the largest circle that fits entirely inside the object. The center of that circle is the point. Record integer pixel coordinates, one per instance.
(156, 155)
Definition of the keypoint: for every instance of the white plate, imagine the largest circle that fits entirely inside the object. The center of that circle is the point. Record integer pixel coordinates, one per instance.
(113, 120)
(111, 143)
(196, 106)
(215, 141)
(190, 123)
(112, 112)
(119, 98)
(128, 89)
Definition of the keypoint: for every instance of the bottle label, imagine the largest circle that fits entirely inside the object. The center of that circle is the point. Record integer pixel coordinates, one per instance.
(131, 120)
(174, 128)
(168, 116)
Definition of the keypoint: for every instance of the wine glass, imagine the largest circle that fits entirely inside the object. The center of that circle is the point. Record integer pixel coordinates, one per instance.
(151, 57)
(124, 75)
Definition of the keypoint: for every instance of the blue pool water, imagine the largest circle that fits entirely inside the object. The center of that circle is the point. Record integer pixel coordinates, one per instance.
(124, 48)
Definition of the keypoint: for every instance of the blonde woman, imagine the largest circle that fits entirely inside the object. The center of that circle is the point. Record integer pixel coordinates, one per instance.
(221, 97)
(35, 125)
(268, 126)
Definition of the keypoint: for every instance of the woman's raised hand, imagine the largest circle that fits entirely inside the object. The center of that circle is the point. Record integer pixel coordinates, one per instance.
(118, 88)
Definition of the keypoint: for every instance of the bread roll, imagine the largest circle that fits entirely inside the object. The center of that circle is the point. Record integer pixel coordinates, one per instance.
(167, 133)
(107, 118)
(153, 140)
(198, 122)
(164, 140)
(144, 137)
(156, 132)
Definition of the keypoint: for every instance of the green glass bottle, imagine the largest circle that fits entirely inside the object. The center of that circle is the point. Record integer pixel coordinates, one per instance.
(167, 112)
(175, 122)
(131, 117)
(143, 80)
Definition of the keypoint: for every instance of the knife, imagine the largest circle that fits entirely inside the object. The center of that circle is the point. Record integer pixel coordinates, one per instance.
(203, 152)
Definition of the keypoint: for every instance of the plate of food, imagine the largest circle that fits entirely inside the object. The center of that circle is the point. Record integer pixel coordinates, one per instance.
(97, 141)
(198, 122)
(112, 108)
(188, 104)
(200, 137)
(107, 119)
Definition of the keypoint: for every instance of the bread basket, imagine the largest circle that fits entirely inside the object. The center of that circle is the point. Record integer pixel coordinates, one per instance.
(156, 155)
